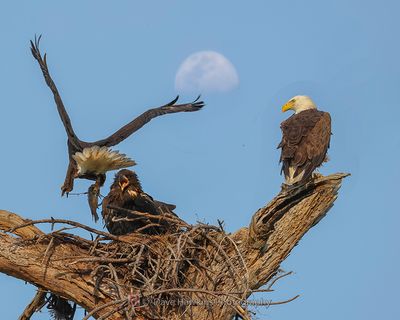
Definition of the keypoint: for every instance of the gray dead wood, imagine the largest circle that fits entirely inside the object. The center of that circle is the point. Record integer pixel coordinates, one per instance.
(202, 262)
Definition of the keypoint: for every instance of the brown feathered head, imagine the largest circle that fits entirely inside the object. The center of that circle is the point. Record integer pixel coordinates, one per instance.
(126, 179)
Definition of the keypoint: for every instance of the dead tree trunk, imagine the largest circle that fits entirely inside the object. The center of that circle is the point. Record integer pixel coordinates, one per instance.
(200, 272)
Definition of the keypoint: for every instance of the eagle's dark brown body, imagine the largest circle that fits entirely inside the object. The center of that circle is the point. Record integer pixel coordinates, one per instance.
(305, 141)
(126, 193)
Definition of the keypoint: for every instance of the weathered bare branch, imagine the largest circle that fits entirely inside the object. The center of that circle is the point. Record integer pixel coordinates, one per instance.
(123, 278)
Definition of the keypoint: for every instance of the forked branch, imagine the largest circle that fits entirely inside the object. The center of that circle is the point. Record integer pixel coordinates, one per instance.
(199, 272)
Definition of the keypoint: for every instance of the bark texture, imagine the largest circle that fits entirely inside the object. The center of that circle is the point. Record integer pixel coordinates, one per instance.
(130, 276)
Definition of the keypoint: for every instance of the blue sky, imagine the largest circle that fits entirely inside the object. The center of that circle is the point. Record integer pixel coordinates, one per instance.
(111, 61)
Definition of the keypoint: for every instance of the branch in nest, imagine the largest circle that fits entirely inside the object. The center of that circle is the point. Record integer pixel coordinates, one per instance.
(199, 261)
(70, 222)
(166, 217)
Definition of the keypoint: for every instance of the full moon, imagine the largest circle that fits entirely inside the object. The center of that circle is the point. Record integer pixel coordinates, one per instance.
(206, 71)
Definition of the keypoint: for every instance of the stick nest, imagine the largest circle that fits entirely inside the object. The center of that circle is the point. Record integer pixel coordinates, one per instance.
(147, 276)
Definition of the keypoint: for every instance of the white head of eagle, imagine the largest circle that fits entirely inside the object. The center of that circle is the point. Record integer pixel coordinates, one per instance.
(298, 104)
(305, 139)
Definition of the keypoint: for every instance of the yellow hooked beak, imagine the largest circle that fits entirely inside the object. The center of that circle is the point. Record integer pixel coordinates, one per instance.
(287, 106)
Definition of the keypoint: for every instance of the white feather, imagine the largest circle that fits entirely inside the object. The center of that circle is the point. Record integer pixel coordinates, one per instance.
(95, 151)
(290, 179)
(302, 103)
(87, 152)
(97, 160)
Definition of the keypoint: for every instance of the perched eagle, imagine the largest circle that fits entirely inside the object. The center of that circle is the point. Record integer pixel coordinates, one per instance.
(91, 160)
(127, 197)
(305, 139)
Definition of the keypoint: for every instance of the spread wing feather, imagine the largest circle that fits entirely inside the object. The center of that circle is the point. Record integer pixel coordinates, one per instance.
(146, 117)
(72, 138)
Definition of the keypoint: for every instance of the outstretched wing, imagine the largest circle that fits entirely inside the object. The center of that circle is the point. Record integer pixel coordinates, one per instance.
(50, 83)
(145, 117)
(120, 134)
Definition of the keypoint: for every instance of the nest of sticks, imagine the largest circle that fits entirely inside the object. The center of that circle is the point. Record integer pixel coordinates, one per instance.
(150, 276)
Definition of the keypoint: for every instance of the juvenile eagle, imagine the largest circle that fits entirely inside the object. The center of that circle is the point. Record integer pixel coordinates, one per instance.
(91, 160)
(305, 139)
(126, 197)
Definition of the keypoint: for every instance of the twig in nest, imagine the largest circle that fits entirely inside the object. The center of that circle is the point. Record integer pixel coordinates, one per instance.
(221, 225)
(231, 268)
(150, 225)
(139, 255)
(156, 273)
(278, 278)
(241, 259)
(70, 222)
(103, 306)
(118, 285)
(151, 216)
(95, 244)
(99, 259)
(47, 255)
(115, 310)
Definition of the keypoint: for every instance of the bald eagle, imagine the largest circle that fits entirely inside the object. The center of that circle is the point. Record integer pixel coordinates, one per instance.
(92, 160)
(127, 197)
(305, 139)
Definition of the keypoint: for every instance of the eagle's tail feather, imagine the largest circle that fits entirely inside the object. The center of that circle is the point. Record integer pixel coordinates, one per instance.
(100, 160)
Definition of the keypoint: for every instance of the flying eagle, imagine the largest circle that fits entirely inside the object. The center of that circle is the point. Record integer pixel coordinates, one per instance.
(305, 139)
(91, 160)
(126, 198)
